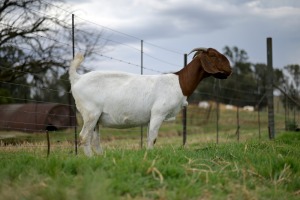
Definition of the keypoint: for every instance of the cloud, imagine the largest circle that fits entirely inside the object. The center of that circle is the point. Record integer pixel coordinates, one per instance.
(178, 18)
(183, 25)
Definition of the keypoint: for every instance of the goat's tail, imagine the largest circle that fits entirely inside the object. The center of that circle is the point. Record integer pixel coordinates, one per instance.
(73, 75)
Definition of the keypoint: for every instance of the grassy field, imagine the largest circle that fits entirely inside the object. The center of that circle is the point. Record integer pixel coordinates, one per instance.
(252, 168)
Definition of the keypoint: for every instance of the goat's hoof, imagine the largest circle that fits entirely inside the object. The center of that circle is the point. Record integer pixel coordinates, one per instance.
(81, 141)
(88, 151)
(98, 151)
(149, 147)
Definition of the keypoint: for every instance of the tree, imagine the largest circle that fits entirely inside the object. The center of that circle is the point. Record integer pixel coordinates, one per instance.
(294, 72)
(292, 87)
(235, 54)
(32, 43)
(242, 86)
(21, 38)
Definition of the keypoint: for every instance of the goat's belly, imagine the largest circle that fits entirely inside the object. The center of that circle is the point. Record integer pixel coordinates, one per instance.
(122, 121)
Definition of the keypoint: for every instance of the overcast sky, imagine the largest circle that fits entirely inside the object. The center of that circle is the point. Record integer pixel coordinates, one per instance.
(181, 25)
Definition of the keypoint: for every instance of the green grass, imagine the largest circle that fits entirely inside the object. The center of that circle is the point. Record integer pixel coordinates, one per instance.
(251, 169)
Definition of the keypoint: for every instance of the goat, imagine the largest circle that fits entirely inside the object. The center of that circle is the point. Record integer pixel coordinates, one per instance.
(123, 100)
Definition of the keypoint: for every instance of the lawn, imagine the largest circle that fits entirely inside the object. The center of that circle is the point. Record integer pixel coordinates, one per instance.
(250, 169)
(253, 168)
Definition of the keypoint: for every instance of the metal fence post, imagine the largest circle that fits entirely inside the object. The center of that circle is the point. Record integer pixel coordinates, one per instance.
(184, 111)
(142, 64)
(71, 101)
(216, 96)
(238, 123)
(48, 143)
(270, 97)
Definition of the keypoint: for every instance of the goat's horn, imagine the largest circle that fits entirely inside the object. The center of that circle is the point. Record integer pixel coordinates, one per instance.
(198, 49)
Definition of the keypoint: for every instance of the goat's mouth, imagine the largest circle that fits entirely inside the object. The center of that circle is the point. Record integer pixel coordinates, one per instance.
(221, 75)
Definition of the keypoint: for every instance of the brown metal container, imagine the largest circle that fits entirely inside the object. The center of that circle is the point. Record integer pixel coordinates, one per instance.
(36, 117)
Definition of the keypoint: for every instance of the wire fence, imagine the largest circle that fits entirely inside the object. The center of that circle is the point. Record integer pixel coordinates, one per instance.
(42, 102)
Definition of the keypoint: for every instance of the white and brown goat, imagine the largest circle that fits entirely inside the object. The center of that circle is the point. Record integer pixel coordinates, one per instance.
(123, 100)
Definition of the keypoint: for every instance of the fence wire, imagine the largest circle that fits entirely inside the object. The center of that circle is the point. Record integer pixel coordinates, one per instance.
(200, 119)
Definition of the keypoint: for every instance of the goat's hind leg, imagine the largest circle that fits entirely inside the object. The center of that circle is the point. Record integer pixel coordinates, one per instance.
(86, 133)
(96, 140)
(85, 141)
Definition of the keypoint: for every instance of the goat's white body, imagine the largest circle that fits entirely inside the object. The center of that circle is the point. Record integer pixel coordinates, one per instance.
(123, 100)
(128, 100)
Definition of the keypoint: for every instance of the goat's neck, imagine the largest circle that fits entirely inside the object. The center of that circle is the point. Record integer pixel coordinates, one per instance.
(190, 76)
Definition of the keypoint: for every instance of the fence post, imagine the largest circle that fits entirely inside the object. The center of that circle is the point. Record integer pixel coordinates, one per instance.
(238, 123)
(142, 62)
(48, 143)
(285, 108)
(184, 111)
(258, 115)
(270, 97)
(216, 89)
(258, 121)
(71, 101)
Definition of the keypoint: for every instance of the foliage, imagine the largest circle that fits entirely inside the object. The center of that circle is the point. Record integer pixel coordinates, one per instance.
(22, 46)
(33, 47)
(294, 71)
(291, 125)
(5, 93)
(291, 97)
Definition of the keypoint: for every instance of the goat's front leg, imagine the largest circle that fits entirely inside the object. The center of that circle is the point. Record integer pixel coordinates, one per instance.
(155, 123)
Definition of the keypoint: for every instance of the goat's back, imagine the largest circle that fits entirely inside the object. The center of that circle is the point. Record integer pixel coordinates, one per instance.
(127, 99)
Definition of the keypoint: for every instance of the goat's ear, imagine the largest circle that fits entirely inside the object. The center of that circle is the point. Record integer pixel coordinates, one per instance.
(209, 63)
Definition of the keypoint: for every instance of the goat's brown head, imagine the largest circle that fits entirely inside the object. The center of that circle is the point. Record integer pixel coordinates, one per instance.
(213, 62)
